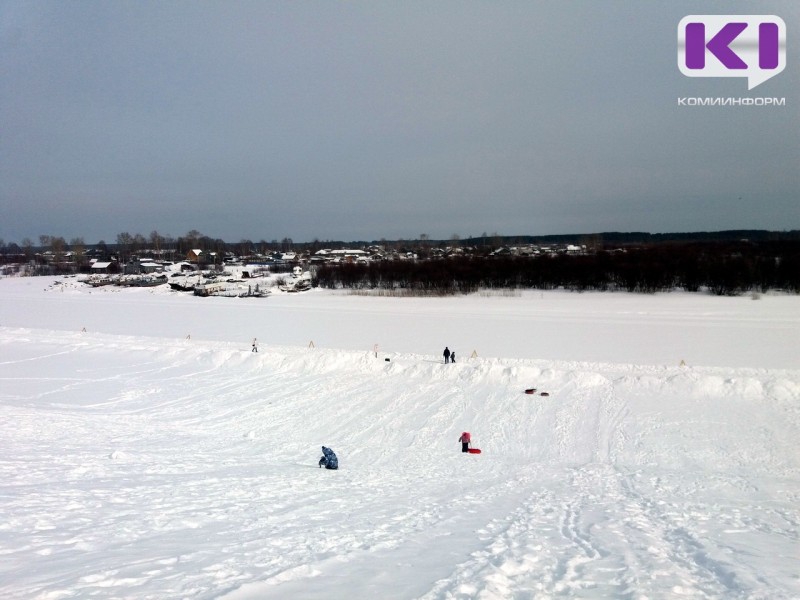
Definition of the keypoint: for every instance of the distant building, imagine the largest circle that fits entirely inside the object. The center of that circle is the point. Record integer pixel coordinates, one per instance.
(103, 267)
(343, 255)
(150, 267)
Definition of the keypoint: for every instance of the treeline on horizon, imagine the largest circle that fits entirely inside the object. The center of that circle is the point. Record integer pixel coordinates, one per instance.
(194, 239)
(722, 268)
(724, 262)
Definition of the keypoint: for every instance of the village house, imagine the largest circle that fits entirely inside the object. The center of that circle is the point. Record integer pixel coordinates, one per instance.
(103, 267)
(150, 267)
(342, 255)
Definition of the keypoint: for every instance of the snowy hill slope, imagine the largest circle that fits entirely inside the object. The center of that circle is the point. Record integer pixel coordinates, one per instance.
(137, 467)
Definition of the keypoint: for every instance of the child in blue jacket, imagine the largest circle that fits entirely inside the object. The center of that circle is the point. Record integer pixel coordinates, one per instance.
(328, 460)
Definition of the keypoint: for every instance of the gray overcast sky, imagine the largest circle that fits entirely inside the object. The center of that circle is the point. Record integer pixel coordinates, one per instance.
(368, 120)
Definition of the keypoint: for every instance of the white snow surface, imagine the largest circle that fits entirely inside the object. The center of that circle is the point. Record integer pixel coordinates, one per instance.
(154, 456)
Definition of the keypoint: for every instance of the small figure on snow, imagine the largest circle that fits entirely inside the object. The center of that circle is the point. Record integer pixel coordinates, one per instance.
(446, 355)
(255, 345)
(453, 356)
(328, 460)
(465, 441)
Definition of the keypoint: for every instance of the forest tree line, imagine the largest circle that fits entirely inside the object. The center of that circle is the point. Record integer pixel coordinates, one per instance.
(723, 269)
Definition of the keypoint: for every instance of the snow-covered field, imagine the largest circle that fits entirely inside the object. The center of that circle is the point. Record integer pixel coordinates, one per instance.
(153, 455)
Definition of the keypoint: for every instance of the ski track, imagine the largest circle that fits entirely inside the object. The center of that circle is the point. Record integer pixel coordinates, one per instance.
(197, 458)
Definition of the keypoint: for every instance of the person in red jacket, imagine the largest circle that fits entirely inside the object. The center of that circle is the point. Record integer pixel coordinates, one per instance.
(465, 440)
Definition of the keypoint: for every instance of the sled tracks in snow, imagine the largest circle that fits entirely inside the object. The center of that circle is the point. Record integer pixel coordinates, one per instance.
(592, 533)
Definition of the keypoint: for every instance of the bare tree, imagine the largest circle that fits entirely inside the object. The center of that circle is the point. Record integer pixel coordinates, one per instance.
(124, 242)
(78, 247)
(157, 242)
(245, 247)
(27, 248)
(139, 243)
(193, 238)
(58, 246)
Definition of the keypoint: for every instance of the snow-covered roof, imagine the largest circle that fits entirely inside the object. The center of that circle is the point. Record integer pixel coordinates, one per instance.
(101, 265)
(343, 252)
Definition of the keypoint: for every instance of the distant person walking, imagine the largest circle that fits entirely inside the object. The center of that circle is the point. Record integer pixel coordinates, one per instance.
(446, 355)
(465, 441)
(453, 356)
(255, 345)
